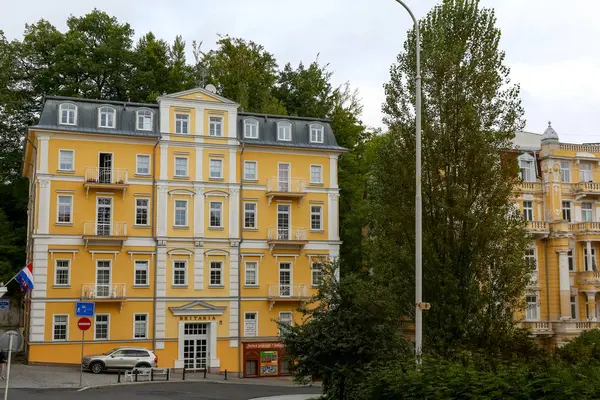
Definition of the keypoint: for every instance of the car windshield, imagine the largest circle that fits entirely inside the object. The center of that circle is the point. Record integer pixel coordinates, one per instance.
(110, 351)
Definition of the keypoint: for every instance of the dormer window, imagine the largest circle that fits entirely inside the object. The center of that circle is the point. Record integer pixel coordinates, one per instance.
(284, 131)
(527, 167)
(316, 133)
(68, 114)
(250, 128)
(106, 117)
(144, 120)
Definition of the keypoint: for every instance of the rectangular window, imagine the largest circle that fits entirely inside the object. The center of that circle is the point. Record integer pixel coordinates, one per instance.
(251, 272)
(316, 174)
(250, 215)
(215, 126)
(216, 169)
(285, 318)
(316, 134)
(574, 307)
(179, 273)
(532, 307)
(530, 258)
(316, 273)
(107, 117)
(250, 324)
(284, 131)
(527, 170)
(140, 326)
(585, 260)
(181, 166)
(251, 128)
(182, 123)
(316, 223)
(141, 211)
(570, 260)
(250, 170)
(181, 212)
(528, 210)
(586, 212)
(65, 160)
(143, 165)
(62, 272)
(65, 209)
(60, 327)
(141, 273)
(565, 171)
(216, 208)
(585, 172)
(216, 273)
(101, 327)
(566, 210)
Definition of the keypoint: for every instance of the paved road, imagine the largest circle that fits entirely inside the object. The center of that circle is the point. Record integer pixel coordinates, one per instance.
(174, 391)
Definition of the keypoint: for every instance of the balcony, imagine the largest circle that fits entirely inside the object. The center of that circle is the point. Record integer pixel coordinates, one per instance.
(286, 238)
(294, 188)
(110, 293)
(538, 228)
(575, 327)
(529, 187)
(104, 233)
(287, 293)
(586, 189)
(537, 327)
(584, 228)
(589, 280)
(114, 179)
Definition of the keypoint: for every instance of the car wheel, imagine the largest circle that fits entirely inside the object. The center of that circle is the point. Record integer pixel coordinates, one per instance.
(143, 365)
(96, 367)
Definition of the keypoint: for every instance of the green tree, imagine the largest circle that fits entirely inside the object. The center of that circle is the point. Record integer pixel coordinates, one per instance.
(181, 75)
(474, 272)
(150, 76)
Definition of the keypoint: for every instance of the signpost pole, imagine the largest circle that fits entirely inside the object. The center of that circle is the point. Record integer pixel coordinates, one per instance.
(81, 361)
(10, 346)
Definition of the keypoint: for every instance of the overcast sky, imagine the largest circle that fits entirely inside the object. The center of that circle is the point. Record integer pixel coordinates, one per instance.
(551, 48)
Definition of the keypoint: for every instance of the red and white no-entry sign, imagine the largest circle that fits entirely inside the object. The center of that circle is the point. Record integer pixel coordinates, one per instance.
(84, 324)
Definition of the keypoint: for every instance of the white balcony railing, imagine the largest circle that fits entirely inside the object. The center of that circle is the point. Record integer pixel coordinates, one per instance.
(538, 226)
(292, 234)
(576, 326)
(585, 227)
(108, 176)
(537, 327)
(587, 187)
(91, 228)
(288, 291)
(103, 291)
(289, 185)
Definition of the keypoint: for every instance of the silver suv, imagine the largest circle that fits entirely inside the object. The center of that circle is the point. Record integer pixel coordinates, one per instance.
(121, 358)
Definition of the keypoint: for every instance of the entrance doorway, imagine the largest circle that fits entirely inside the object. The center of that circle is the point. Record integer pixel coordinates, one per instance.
(195, 346)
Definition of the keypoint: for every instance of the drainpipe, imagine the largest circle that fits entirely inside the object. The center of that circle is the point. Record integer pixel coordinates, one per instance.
(241, 229)
(153, 228)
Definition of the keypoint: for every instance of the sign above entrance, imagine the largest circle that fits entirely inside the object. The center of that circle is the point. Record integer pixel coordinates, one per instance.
(200, 318)
(83, 309)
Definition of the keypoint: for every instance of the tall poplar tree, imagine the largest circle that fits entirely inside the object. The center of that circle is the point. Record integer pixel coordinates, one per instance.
(474, 272)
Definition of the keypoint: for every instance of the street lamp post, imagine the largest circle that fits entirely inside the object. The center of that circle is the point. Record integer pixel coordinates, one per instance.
(418, 199)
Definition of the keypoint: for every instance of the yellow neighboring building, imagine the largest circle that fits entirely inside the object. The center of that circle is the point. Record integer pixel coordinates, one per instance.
(560, 197)
(192, 226)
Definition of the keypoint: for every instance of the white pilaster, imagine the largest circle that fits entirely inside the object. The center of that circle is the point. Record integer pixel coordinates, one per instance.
(161, 271)
(164, 118)
(234, 268)
(333, 217)
(200, 121)
(232, 165)
(40, 281)
(44, 206)
(198, 269)
(214, 361)
(161, 210)
(564, 284)
(578, 214)
(333, 172)
(164, 161)
(234, 215)
(199, 212)
(160, 325)
(43, 152)
(232, 124)
(591, 297)
(199, 155)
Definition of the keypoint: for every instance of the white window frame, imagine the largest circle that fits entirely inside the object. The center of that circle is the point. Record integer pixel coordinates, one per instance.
(586, 211)
(215, 121)
(54, 324)
(248, 131)
(320, 168)
(291, 319)
(145, 326)
(281, 129)
(255, 212)
(70, 221)
(576, 304)
(565, 171)
(528, 211)
(586, 266)
(255, 284)
(107, 110)
(180, 122)
(185, 273)
(136, 268)
(566, 211)
(246, 314)
(312, 273)
(138, 157)
(137, 119)
(187, 167)
(319, 214)
(210, 270)
(147, 207)
(175, 207)
(60, 154)
(255, 177)
(210, 210)
(319, 131)
(532, 306)
(586, 174)
(107, 326)
(68, 284)
(210, 170)
(60, 114)
(571, 261)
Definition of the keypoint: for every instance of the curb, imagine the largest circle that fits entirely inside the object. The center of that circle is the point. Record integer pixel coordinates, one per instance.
(223, 382)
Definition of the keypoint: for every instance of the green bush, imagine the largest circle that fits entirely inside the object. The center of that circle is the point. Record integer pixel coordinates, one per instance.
(583, 349)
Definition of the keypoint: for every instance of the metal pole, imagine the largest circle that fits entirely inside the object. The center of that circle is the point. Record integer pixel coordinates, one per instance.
(10, 345)
(418, 198)
(81, 361)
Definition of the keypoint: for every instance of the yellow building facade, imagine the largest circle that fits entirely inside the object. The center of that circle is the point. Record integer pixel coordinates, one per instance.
(193, 227)
(560, 199)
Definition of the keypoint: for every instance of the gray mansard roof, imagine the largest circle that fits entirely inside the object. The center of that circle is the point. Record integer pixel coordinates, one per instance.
(87, 117)
(267, 132)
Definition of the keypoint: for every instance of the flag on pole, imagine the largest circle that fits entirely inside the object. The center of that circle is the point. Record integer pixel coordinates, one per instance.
(25, 278)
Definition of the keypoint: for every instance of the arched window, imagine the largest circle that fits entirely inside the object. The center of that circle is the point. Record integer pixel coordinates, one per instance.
(68, 114)
(316, 133)
(106, 117)
(284, 131)
(144, 120)
(251, 128)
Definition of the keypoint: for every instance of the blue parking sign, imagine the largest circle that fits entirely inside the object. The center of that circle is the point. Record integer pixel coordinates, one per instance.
(83, 309)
